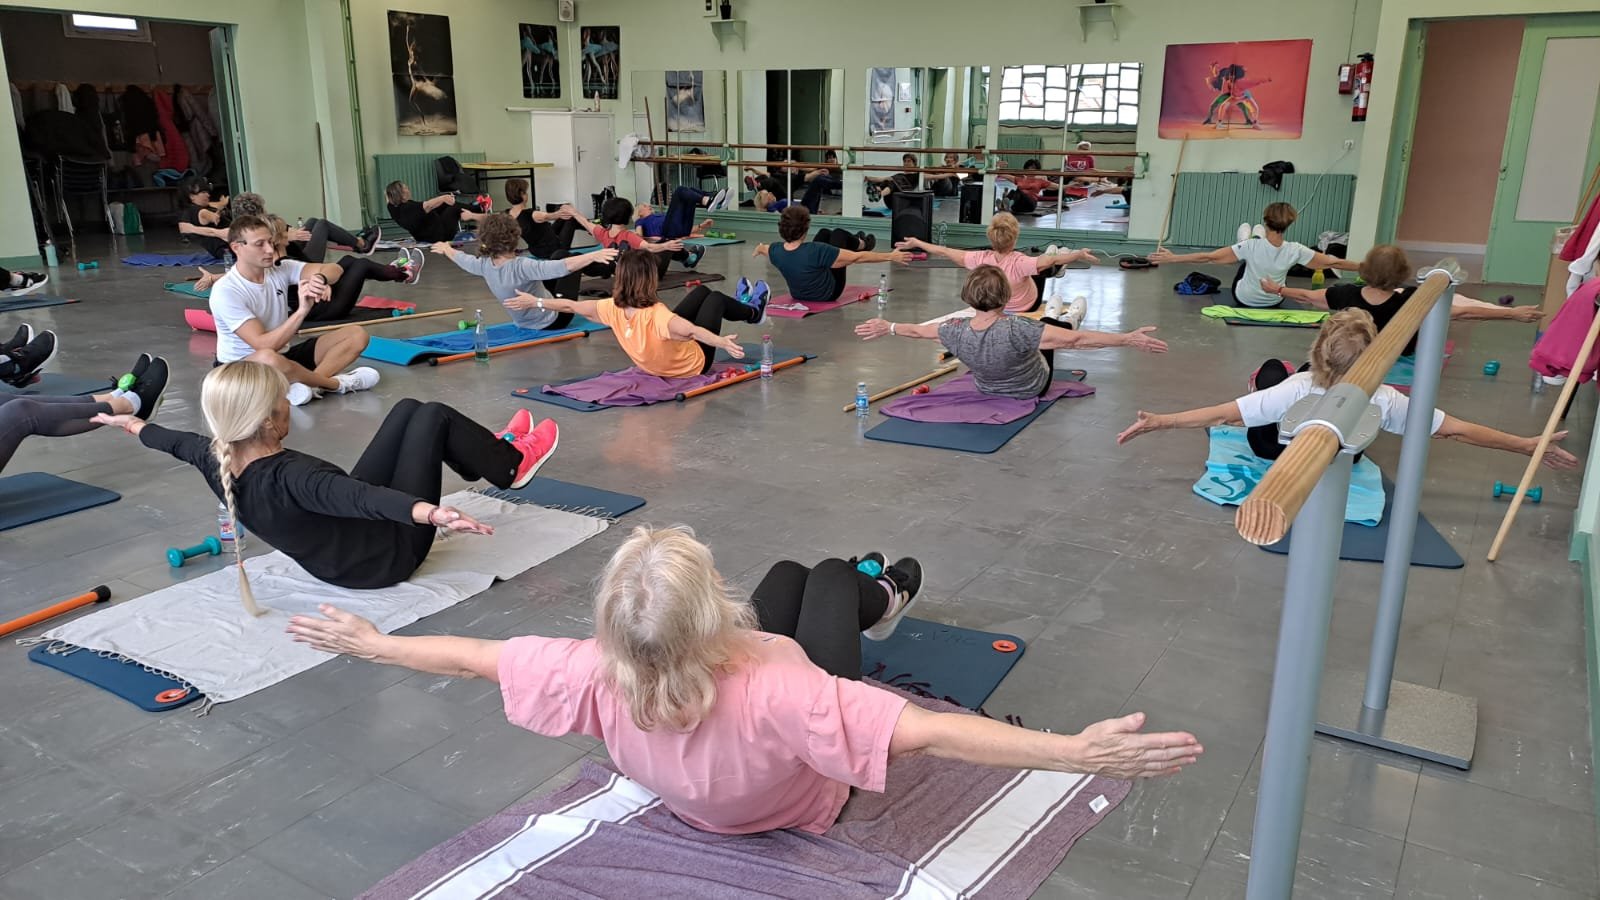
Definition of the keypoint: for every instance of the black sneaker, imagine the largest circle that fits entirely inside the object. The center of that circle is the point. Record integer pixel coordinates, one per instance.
(152, 384)
(31, 281)
(868, 241)
(367, 240)
(20, 339)
(128, 381)
(696, 252)
(906, 576)
(876, 560)
(26, 361)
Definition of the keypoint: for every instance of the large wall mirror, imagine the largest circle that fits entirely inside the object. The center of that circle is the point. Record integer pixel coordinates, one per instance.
(686, 110)
(802, 109)
(922, 118)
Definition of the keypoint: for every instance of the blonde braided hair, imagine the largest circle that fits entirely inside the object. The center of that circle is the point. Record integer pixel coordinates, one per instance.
(237, 399)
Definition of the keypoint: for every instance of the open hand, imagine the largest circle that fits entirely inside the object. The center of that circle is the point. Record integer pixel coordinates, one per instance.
(1555, 457)
(338, 632)
(127, 422)
(1146, 421)
(441, 247)
(872, 328)
(673, 245)
(760, 250)
(1161, 255)
(452, 519)
(730, 343)
(448, 198)
(605, 254)
(1116, 748)
(900, 256)
(1140, 339)
(207, 279)
(1527, 313)
(522, 300)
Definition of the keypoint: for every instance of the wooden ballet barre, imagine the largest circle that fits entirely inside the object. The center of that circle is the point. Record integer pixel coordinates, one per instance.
(389, 320)
(920, 379)
(994, 151)
(1265, 515)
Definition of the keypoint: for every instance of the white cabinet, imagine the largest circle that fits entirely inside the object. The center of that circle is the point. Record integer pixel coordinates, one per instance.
(580, 147)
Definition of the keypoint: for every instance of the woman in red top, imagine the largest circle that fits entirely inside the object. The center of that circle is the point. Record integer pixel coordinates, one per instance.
(616, 215)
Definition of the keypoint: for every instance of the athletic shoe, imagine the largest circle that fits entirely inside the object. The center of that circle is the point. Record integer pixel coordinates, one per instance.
(1258, 230)
(369, 238)
(27, 360)
(906, 577)
(720, 201)
(1076, 310)
(696, 252)
(31, 281)
(361, 378)
(485, 203)
(414, 261)
(301, 394)
(151, 385)
(1243, 234)
(741, 290)
(537, 447)
(868, 241)
(20, 339)
(130, 381)
(521, 423)
(870, 564)
(759, 295)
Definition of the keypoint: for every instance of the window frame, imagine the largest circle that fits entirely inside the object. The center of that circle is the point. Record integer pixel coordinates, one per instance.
(1064, 100)
(140, 34)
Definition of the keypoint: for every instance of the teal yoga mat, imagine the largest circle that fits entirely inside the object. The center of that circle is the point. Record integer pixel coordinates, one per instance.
(410, 351)
(31, 301)
(713, 242)
(948, 662)
(186, 288)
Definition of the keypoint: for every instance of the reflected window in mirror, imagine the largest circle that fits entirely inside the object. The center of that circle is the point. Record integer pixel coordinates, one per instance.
(1077, 94)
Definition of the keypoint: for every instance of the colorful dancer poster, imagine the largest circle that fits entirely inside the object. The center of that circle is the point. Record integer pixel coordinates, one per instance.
(602, 60)
(1250, 90)
(424, 70)
(541, 63)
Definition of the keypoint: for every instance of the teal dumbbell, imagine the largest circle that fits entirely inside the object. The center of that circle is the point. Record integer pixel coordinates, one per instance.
(176, 558)
(1491, 368)
(1534, 494)
(397, 313)
(92, 264)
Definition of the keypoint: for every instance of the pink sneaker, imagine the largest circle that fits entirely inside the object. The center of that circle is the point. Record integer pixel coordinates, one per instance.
(537, 447)
(521, 423)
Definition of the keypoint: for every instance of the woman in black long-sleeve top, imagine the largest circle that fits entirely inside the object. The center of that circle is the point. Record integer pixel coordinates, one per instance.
(370, 528)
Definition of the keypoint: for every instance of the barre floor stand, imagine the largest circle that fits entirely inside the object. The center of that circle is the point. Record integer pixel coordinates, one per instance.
(1302, 644)
(1395, 715)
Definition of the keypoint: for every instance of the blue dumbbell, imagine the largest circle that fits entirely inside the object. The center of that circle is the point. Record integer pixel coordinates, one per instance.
(1534, 494)
(1491, 368)
(176, 558)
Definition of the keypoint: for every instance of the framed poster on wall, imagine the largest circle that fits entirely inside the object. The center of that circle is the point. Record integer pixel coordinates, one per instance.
(602, 60)
(541, 61)
(1249, 90)
(686, 100)
(424, 73)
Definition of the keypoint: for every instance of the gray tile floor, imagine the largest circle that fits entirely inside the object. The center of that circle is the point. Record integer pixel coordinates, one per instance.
(1133, 593)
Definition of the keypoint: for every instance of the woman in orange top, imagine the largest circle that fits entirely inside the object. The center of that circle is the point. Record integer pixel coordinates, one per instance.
(670, 343)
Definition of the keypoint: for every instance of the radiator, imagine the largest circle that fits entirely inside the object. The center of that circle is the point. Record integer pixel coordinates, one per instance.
(416, 170)
(1210, 205)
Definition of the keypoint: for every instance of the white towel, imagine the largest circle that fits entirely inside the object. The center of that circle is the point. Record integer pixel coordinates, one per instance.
(198, 632)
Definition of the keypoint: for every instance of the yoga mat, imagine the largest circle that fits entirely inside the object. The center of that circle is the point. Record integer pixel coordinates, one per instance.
(940, 828)
(1364, 544)
(31, 301)
(1405, 369)
(946, 662)
(52, 384)
(786, 307)
(128, 680)
(1283, 318)
(958, 401)
(187, 289)
(962, 437)
(568, 497)
(677, 278)
(171, 259)
(661, 389)
(367, 309)
(410, 351)
(197, 632)
(35, 496)
(712, 242)
(1233, 471)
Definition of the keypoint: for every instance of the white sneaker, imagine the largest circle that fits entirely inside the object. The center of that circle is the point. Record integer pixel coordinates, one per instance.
(719, 201)
(301, 394)
(1076, 310)
(1243, 233)
(363, 378)
(1258, 230)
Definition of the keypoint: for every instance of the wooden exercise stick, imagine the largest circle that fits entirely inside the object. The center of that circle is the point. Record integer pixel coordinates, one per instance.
(1544, 438)
(721, 383)
(920, 379)
(552, 339)
(391, 320)
(98, 595)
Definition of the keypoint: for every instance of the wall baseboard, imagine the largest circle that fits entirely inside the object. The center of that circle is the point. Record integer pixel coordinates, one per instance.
(1437, 247)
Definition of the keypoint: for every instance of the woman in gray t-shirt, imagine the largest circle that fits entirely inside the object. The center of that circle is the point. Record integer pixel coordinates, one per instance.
(1010, 356)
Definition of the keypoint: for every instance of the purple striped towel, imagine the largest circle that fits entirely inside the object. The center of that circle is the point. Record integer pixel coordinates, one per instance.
(941, 828)
(959, 400)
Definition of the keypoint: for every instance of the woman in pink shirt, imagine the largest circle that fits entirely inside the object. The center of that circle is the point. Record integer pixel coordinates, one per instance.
(1027, 274)
(743, 717)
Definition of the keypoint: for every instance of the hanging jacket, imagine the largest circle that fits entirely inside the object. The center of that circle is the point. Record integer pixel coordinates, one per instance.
(176, 155)
(1557, 350)
(1579, 241)
(138, 114)
(201, 132)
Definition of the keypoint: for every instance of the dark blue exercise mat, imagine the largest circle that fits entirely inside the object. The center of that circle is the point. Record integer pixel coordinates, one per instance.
(52, 384)
(962, 436)
(1363, 543)
(31, 301)
(123, 677)
(35, 496)
(948, 662)
(410, 351)
(580, 498)
(1252, 323)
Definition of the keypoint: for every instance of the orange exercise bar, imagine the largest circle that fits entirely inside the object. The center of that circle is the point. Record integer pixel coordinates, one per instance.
(99, 595)
(553, 339)
(725, 382)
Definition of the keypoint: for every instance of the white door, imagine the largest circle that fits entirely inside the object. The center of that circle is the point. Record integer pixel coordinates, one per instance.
(596, 154)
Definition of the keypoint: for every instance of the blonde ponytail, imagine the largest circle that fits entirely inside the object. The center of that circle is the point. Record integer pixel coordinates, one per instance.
(237, 399)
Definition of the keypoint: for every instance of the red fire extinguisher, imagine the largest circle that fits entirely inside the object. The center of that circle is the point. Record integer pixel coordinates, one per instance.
(1362, 88)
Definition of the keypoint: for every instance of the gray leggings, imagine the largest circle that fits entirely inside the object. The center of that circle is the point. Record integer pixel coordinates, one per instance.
(22, 416)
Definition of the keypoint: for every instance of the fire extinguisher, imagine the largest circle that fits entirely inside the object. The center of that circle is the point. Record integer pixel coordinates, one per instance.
(1362, 88)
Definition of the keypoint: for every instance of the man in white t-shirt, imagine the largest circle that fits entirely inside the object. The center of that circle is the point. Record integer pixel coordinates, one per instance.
(251, 307)
(1265, 257)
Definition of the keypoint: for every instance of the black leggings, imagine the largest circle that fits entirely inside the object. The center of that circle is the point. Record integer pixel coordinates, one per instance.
(844, 240)
(607, 270)
(708, 309)
(824, 608)
(1039, 278)
(547, 240)
(1050, 355)
(322, 231)
(1264, 438)
(22, 416)
(358, 270)
(416, 440)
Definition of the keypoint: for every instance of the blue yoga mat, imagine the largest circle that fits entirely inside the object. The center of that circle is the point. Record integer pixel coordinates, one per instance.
(125, 678)
(962, 436)
(32, 301)
(35, 496)
(752, 355)
(957, 664)
(554, 494)
(171, 259)
(1366, 544)
(410, 351)
(186, 288)
(52, 384)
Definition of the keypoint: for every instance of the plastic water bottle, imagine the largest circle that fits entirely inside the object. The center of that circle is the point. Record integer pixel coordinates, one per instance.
(480, 339)
(227, 529)
(862, 403)
(883, 293)
(1317, 280)
(50, 258)
(766, 356)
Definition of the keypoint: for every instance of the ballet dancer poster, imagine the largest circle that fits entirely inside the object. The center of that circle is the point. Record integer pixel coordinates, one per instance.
(602, 60)
(686, 100)
(424, 70)
(541, 63)
(1247, 90)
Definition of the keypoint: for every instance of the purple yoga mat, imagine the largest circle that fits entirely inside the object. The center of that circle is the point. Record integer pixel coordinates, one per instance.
(959, 400)
(634, 386)
(940, 827)
(779, 306)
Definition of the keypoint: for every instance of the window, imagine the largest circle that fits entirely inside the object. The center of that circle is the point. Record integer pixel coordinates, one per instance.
(117, 28)
(1082, 94)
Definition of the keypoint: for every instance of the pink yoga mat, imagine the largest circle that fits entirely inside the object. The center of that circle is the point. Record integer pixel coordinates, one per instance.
(853, 293)
(202, 320)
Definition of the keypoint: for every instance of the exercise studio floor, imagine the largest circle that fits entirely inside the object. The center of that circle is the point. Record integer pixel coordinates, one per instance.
(1133, 593)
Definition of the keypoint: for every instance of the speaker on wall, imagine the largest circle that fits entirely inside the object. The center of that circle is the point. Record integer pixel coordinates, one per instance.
(910, 215)
(566, 10)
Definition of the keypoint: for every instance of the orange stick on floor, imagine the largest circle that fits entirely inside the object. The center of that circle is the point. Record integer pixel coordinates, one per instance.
(738, 379)
(99, 595)
(552, 339)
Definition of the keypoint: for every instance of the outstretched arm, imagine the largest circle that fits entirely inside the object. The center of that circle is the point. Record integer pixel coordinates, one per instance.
(1466, 309)
(1324, 261)
(877, 328)
(955, 255)
(1204, 417)
(1115, 747)
(852, 257)
(1317, 298)
(1055, 337)
(1219, 256)
(337, 631)
(1483, 436)
(684, 330)
(524, 300)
